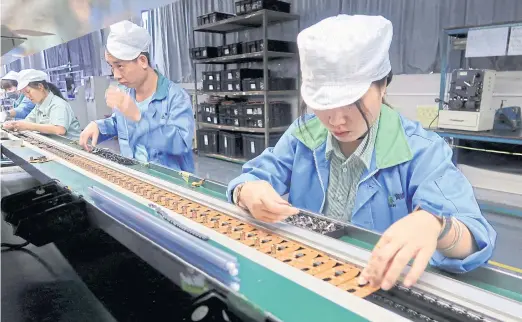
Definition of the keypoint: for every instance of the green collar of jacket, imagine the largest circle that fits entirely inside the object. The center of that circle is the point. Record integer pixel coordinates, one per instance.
(391, 146)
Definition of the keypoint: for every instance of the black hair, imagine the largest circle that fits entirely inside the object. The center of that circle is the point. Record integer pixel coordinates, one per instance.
(47, 86)
(385, 81)
(147, 55)
(8, 83)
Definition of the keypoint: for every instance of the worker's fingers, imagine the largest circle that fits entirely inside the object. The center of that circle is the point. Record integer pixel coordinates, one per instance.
(278, 207)
(401, 259)
(419, 265)
(380, 260)
(84, 138)
(94, 139)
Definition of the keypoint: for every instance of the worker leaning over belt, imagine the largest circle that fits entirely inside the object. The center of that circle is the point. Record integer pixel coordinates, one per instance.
(153, 116)
(52, 114)
(22, 105)
(359, 161)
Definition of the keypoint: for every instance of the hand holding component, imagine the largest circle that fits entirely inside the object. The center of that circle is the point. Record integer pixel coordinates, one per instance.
(18, 126)
(121, 101)
(412, 237)
(92, 132)
(264, 203)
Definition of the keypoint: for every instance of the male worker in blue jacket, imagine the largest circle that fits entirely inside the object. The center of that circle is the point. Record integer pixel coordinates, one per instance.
(153, 116)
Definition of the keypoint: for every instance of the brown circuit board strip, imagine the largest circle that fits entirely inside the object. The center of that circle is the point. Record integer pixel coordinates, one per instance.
(297, 255)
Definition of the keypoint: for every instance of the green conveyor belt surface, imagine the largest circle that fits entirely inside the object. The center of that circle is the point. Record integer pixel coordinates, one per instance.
(285, 299)
(219, 193)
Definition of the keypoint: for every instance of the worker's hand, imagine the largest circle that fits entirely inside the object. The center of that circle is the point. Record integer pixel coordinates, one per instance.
(18, 126)
(9, 125)
(412, 237)
(92, 132)
(116, 98)
(264, 203)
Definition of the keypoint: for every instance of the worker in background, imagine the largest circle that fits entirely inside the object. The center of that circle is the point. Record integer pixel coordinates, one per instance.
(357, 160)
(52, 114)
(22, 105)
(152, 117)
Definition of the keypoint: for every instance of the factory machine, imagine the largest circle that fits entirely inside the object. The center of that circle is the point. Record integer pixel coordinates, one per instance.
(470, 106)
(304, 269)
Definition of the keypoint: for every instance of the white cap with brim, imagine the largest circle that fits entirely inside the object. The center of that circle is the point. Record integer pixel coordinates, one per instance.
(12, 75)
(340, 58)
(127, 40)
(27, 76)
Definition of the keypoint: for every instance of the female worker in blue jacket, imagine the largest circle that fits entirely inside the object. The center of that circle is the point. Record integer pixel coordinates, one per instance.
(22, 105)
(360, 161)
(152, 117)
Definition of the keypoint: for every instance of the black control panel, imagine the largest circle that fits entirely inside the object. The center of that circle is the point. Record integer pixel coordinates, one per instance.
(466, 89)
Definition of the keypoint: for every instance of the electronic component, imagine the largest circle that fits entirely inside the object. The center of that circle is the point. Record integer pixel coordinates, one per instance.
(470, 105)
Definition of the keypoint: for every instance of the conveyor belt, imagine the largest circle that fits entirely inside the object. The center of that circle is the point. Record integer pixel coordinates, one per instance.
(411, 303)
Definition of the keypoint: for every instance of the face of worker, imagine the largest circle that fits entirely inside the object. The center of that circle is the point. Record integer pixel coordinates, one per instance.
(130, 73)
(35, 94)
(346, 123)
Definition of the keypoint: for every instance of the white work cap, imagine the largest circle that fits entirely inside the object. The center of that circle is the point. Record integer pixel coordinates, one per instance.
(127, 41)
(12, 75)
(341, 56)
(27, 76)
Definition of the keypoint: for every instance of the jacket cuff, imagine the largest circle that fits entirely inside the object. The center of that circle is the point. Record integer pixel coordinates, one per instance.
(245, 177)
(102, 127)
(477, 259)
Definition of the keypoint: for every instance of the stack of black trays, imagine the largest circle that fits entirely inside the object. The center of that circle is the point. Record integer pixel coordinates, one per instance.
(212, 81)
(232, 79)
(230, 114)
(254, 114)
(247, 6)
(276, 84)
(272, 45)
(212, 17)
(203, 52)
(231, 49)
(209, 113)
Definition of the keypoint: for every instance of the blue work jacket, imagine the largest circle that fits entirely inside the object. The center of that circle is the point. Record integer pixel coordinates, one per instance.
(23, 106)
(165, 129)
(410, 167)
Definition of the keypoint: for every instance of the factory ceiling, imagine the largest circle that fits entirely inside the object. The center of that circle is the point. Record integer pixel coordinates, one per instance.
(30, 26)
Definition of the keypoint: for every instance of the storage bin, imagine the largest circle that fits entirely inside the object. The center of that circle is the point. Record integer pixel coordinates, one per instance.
(231, 144)
(253, 84)
(272, 45)
(241, 73)
(212, 17)
(254, 114)
(211, 86)
(232, 86)
(212, 76)
(232, 49)
(203, 52)
(254, 144)
(274, 5)
(243, 7)
(231, 121)
(208, 140)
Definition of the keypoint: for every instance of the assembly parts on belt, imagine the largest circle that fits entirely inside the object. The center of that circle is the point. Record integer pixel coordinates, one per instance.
(410, 303)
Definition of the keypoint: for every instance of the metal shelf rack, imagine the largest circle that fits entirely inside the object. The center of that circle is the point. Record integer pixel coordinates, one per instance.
(259, 19)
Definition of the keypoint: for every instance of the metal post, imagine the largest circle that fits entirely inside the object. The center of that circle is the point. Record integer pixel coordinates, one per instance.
(265, 80)
(444, 40)
(299, 98)
(194, 69)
